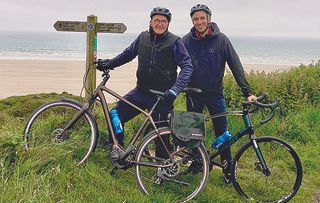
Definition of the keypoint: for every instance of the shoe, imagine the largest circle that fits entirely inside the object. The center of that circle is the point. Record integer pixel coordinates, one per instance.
(227, 168)
(228, 179)
(196, 167)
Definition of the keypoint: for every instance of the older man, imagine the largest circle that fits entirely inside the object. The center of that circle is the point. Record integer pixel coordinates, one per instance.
(159, 53)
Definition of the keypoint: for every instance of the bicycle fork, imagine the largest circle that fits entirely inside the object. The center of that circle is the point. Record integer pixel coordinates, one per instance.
(76, 117)
(261, 165)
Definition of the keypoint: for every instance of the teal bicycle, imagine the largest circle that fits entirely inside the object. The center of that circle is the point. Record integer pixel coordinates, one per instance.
(265, 169)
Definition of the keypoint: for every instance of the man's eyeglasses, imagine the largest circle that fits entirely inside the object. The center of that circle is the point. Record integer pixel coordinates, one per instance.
(163, 22)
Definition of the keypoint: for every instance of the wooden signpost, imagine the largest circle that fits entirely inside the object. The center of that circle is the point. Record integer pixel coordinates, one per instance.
(92, 27)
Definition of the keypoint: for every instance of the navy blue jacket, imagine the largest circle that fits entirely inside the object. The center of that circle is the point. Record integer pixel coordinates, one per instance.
(181, 55)
(209, 56)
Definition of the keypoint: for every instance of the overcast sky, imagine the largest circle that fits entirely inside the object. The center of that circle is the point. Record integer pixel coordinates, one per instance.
(234, 17)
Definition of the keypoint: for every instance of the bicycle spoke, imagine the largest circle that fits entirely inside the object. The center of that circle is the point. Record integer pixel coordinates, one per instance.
(167, 178)
(281, 181)
(45, 131)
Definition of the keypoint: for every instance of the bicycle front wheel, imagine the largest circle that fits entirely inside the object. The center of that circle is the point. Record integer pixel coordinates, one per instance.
(181, 173)
(43, 132)
(283, 178)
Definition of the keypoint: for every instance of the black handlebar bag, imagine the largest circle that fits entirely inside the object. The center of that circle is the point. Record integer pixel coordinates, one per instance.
(188, 128)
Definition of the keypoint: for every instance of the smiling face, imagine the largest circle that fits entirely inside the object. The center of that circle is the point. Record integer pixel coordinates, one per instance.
(201, 20)
(159, 24)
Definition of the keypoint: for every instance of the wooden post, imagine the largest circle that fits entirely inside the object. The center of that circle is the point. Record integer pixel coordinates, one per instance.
(92, 27)
(91, 55)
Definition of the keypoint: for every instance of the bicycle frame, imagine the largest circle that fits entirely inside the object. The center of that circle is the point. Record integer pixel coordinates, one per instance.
(247, 130)
(98, 93)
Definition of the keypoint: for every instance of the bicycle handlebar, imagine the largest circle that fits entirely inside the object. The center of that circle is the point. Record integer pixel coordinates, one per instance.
(257, 103)
(272, 106)
(185, 90)
(191, 90)
(262, 97)
(158, 93)
(259, 99)
(105, 71)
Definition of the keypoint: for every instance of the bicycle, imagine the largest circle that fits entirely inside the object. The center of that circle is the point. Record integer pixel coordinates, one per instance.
(264, 165)
(70, 128)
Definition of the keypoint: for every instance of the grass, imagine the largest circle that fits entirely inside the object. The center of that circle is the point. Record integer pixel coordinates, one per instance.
(50, 176)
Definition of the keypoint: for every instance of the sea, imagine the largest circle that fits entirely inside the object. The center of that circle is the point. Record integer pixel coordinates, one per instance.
(72, 46)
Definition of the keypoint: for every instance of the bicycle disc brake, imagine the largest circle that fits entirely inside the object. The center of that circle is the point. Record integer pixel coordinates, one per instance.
(59, 136)
(258, 167)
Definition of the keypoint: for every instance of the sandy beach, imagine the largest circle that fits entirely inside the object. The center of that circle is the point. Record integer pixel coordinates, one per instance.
(23, 77)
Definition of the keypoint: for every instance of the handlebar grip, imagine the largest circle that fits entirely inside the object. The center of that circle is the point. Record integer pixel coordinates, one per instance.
(271, 106)
(256, 102)
(261, 97)
(275, 104)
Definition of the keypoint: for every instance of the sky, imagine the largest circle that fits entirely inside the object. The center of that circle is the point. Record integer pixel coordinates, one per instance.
(293, 18)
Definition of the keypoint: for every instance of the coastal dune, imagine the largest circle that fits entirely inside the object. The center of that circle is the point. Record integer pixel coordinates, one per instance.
(23, 77)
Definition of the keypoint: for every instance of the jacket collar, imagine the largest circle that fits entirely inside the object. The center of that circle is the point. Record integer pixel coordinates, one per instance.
(156, 37)
(213, 32)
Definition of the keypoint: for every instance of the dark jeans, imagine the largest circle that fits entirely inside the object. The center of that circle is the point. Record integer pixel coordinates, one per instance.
(214, 104)
(144, 100)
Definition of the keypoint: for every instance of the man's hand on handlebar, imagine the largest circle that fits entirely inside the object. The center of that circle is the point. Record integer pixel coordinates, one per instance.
(252, 98)
(103, 65)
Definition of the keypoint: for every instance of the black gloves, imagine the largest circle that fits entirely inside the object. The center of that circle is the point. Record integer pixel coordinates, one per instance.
(169, 97)
(103, 64)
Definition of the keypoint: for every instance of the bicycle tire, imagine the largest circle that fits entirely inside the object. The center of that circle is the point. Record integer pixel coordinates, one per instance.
(178, 171)
(42, 131)
(285, 171)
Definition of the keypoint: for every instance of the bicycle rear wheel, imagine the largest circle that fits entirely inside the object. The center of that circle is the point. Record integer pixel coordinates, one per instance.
(285, 176)
(43, 132)
(173, 176)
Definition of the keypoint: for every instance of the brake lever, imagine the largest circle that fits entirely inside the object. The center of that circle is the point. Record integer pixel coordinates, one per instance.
(272, 107)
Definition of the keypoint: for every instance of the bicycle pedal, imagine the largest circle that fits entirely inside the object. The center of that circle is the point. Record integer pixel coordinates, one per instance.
(156, 179)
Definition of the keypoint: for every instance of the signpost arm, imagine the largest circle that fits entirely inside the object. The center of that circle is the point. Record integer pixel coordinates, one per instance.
(91, 55)
(92, 27)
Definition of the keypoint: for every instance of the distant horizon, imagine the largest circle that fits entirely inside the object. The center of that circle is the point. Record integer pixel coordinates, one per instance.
(54, 44)
(179, 34)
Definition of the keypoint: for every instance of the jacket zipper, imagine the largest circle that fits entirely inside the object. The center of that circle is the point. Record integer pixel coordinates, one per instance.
(153, 53)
